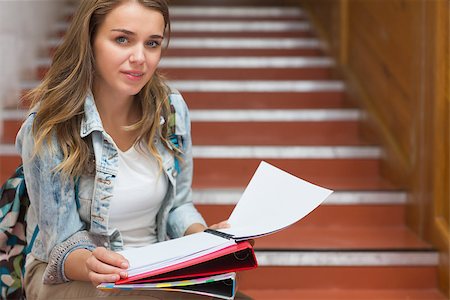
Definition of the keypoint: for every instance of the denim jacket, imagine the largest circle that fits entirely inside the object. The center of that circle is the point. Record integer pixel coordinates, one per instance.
(64, 216)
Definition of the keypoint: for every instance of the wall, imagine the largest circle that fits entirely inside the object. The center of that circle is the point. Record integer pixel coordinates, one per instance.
(394, 55)
(25, 27)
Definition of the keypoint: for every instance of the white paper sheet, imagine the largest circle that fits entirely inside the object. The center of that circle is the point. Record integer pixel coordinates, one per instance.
(159, 255)
(273, 200)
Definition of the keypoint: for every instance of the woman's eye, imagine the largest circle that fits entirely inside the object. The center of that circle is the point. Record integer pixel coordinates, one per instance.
(121, 40)
(153, 44)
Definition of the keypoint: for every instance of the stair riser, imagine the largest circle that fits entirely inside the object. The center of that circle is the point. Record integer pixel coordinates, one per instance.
(337, 237)
(237, 172)
(237, 73)
(254, 100)
(325, 215)
(10, 129)
(246, 74)
(289, 34)
(247, 133)
(346, 294)
(339, 278)
(239, 100)
(8, 165)
(275, 133)
(335, 174)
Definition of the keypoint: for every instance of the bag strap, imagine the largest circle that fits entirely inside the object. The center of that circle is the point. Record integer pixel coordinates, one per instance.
(176, 140)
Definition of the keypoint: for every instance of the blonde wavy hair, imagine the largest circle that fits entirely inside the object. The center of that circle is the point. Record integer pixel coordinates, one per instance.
(59, 99)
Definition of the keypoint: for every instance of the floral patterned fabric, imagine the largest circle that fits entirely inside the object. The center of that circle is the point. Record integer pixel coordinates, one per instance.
(13, 206)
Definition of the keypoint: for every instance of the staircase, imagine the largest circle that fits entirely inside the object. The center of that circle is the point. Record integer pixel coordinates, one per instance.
(260, 88)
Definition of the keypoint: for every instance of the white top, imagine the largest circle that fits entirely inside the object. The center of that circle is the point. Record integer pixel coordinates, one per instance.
(138, 193)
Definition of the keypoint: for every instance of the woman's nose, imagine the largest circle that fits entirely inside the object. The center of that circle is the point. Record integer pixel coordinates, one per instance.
(137, 55)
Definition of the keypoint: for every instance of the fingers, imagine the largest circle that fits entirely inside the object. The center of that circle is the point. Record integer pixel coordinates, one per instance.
(221, 225)
(106, 266)
(97, 278)
(110, 257)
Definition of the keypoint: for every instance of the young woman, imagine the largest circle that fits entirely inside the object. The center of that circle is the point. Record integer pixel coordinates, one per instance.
(101, 172)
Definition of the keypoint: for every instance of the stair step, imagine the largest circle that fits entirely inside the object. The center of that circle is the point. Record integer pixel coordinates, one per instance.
(228, 166)
(235, 68)
(344, 294)
(261, 94)
(254, 94)
(215, 46)
(228, 29)
(264, 100)
(222, 68)
(234, 62)
(244, 74)
(339, 237)
(341, 174)
(276, 133)
(246, 86)
(240, 127)
(216, 26)
(349, 219)
(241, 52)
(326, 216)
(246, 100)
(244, 133)
(339, 277)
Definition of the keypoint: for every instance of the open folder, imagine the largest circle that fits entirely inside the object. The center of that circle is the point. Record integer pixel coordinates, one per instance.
(272, 201)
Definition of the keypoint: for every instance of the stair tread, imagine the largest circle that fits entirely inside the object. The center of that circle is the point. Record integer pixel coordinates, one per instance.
(343, 294)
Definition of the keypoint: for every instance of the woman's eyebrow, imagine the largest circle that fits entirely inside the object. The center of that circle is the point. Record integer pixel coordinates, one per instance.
(154, 36)
(124, 31)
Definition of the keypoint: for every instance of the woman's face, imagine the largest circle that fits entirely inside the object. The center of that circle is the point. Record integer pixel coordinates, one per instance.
(127, 49)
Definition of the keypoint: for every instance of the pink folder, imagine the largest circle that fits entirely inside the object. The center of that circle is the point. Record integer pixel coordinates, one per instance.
(237, 257)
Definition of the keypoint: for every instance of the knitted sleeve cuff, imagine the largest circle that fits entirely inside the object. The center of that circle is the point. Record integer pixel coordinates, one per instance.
(54, 273)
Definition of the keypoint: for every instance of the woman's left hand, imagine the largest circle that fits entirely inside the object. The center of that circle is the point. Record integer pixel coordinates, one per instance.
(221, 225)
(197, 227)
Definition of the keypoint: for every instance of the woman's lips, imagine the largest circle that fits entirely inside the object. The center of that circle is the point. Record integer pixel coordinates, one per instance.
(133, 75)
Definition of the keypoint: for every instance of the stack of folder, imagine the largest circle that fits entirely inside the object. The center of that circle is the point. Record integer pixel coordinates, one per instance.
(206, 263)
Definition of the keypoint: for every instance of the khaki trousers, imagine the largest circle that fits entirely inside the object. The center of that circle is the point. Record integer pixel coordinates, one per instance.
(36, 290)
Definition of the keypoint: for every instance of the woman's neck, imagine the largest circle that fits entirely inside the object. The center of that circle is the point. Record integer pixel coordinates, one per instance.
(115, 113)
(115, 110)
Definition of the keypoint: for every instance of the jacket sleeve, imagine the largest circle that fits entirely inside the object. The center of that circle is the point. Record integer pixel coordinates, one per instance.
(54, 225)
(183, 213)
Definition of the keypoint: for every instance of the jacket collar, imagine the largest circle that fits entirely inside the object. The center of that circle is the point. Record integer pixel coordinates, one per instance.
(91, 120)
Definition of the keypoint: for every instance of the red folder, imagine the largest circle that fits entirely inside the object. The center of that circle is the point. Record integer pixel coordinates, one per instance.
(237, 257)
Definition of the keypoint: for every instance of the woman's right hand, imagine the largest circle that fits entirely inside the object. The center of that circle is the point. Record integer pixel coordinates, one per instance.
(106, 266)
